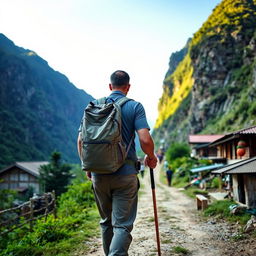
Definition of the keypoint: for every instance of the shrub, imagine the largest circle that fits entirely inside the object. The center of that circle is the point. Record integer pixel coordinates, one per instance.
(177, 150)
(78, 196)
(77, 220)
(215, 182)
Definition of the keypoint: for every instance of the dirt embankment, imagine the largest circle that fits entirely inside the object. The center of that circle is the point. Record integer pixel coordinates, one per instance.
(181, 228)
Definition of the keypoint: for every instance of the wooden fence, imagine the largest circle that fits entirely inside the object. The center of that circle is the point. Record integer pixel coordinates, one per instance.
(35, 208)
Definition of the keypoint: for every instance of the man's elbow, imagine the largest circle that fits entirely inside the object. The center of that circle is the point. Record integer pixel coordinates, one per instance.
(146, 142)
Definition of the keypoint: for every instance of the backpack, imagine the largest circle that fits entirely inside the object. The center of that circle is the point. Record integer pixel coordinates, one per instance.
(103, 150)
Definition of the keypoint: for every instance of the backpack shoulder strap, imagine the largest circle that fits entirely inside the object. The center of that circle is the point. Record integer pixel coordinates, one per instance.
(101, 100)
(120, 102)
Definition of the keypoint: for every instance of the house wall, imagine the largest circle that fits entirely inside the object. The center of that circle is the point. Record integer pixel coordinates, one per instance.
(235, 187)
(248, 182)
(228, 149)
(252, 146)
(16, 178)
(250, 189)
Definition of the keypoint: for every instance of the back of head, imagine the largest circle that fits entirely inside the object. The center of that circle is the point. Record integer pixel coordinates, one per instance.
(119, 78)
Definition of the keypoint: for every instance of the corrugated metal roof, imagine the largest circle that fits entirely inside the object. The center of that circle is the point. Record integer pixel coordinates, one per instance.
(243, 166)
(233, 135)
(203, 138)
(250, 130)
(207, 167)
(30, 167)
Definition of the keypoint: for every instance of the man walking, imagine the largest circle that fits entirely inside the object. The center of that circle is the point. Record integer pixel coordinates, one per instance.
(116, 194)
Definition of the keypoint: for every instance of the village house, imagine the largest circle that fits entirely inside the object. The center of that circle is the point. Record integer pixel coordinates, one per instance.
(243, 183)
(237, 145)
(199, 146)
(20, 176)
(239, 148)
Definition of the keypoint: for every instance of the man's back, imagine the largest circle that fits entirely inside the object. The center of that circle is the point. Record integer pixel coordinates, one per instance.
(116, 195)
(133, 118)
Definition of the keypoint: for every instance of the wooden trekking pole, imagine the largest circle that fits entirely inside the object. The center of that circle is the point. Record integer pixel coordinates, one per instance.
(155, 210)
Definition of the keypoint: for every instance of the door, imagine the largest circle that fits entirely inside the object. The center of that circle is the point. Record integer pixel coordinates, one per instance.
(241, 192)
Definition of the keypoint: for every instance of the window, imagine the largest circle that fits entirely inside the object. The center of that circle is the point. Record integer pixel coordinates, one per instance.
(3, 186)
(13, 185)
(23, 177)
(14, 176)
(23, 184)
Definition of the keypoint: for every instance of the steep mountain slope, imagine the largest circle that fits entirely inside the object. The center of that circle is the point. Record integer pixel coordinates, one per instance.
(40, 109)
(214, 86)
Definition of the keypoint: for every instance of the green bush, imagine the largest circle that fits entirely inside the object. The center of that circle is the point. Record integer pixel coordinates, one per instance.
(177, 150)
(215, 182)
(77, 220)
(78, 196)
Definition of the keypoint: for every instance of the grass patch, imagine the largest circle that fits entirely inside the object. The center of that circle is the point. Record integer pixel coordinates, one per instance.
(151, 219)
(193, 191)
(166, 241)
(163, 210)
(177, 228)
(221, 210)
(179, 249)
(238, 237)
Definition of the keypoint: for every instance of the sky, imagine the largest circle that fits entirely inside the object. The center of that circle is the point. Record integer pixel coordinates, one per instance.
(87, 40)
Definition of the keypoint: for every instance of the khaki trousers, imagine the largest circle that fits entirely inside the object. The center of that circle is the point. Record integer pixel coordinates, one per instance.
(116, 198)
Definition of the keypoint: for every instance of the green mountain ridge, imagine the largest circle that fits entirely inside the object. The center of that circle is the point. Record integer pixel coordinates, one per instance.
(40, 110)
(213, 88)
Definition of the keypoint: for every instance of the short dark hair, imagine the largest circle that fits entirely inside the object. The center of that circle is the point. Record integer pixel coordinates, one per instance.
(119, 78)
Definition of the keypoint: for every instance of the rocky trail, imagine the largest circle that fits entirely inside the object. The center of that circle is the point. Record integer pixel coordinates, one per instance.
(182, 230)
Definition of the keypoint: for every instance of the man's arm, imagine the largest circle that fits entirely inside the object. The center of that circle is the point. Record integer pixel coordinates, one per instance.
(147, 145)
(79, 149)
(79, 145)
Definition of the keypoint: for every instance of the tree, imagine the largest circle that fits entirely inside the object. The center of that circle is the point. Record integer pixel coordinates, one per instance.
(177, 150)
(55, 175)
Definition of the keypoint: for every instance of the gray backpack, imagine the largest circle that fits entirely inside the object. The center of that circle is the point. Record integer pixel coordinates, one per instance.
(103, 150)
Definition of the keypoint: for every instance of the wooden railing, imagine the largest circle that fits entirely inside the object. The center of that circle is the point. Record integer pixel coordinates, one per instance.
(35, 208)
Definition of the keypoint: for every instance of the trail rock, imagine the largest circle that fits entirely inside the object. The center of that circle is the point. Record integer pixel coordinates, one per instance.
(250, 225)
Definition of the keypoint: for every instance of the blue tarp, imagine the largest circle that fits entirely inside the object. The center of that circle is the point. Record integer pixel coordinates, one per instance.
(206, 168)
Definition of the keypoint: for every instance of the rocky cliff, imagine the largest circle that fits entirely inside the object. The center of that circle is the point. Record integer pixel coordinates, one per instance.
(213, 88)
(40, 110)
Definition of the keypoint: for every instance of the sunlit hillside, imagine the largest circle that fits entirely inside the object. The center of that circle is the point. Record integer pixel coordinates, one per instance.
(212, 90)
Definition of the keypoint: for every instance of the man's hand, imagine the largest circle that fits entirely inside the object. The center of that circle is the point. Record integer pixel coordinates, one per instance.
(89, 175)
(150, 161)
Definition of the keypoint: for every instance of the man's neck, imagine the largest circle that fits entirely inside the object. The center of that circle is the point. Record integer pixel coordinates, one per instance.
(119, 90)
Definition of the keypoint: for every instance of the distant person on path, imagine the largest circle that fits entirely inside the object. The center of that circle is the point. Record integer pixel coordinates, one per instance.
(169, 174)
(160, 155)
(116, 194)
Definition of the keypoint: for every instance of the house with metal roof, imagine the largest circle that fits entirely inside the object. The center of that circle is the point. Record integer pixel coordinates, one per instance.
(236, 145)
(21, 175)
(199, 145)
(243, 182)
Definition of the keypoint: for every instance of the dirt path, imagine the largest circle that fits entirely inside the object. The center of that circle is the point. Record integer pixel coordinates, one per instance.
(180, 226)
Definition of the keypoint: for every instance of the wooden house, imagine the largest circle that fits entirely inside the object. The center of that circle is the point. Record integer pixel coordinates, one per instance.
(227, 146)
(243, 182)
(200, 146)
(239, 148)
(20, 176)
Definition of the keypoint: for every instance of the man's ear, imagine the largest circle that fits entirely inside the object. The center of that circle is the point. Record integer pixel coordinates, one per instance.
(110, 87)
(128, 87)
